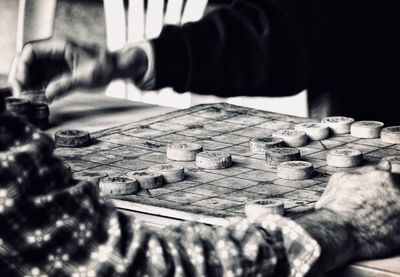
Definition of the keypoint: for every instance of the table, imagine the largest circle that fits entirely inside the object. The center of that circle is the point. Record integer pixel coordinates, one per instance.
(62, 111)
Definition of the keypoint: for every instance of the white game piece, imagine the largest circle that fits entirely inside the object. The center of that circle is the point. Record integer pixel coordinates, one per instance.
(118, 186)
(261, 207)
(292, 138)
(147, 180)
(90, 176)
(295, 170)
(213, 160)
(314, 131)
(338, 124)
(366, 129)
(391, 134)
(260, 144)
(394, 162)
(344, 158)
(275, 156)
(171, 173)
(183, 151)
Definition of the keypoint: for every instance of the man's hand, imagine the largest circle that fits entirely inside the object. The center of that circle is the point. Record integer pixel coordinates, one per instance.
(65, 66)
(357, 216)
(368, 199)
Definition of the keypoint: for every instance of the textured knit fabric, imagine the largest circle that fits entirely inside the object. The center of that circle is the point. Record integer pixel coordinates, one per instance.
(52, 225)
(345, 53)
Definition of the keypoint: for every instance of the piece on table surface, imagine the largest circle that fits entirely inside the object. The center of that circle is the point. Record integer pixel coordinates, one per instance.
(257, 208)
(391, 134)
(338, 125)
(295, 170)
(394, 162)
(171, 173)
(18, 106)
(275, 156)
(147, 180)
(118, 186)
(366, 129)
(344, 158)
(183, 151)
(292, 138)
(259, 145)
(214, 160)
(39, 115)
(314, 131)
(72, 138)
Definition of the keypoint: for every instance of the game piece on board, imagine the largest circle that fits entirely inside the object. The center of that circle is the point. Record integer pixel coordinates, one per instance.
(366, 129)
(214, 160)
(39, 115)
(274, 156)
(171, 173)
(259, 145)
(261, 207)
(292, 138)
(338, 124)
(295, 170)
(34, 96)
(391, 134)
(90, 176)
(118, 186)
(72, 138)
(344, 158)
(183, 151)
(394, 162)
(314, 131)
(18, 106)
(147, 180)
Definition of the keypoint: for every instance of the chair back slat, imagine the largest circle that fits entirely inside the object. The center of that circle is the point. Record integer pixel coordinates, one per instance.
(193, 11)
(114, 11)
(173, 12)
(136, 21)
(154, 18)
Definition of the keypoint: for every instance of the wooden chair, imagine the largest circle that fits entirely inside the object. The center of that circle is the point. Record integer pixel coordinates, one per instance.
(145, 22)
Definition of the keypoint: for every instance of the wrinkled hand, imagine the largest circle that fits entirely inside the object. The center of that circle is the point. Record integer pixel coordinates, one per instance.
(368, 199)
(65, 66)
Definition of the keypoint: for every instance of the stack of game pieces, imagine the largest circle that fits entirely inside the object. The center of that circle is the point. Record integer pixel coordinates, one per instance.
(18, 106)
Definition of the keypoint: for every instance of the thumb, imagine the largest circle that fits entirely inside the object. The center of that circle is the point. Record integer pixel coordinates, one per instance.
(384, 165)
(61, 87)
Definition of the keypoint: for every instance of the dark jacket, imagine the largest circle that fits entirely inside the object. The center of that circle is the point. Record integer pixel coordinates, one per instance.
(345, 53)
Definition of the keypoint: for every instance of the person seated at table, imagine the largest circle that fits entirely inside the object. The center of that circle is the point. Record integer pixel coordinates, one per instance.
(345, 54)
(53, 225)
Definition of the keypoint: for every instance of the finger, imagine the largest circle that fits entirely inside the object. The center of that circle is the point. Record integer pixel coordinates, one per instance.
(60, 87)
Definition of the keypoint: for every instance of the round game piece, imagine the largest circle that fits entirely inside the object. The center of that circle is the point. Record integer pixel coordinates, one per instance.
(338, 124)
(275, 156)
(261, 207)
(18, 106)
(314, 131)
(34, 96)
(214, 160)
(366, 129)
(292, 138)
(39, 110)
(344, 158)
(260, 144)
(147, 180)
(295, 170)
(90, 176)
(394, 162)
(391, 134)
(118, 186)
(72, 138)
(171, 173)
(183, 151)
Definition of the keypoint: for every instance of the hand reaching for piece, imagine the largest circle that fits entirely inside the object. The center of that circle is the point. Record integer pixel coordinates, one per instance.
(64, 66)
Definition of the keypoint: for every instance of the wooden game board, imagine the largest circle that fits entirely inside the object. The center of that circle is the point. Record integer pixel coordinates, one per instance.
(211, 196)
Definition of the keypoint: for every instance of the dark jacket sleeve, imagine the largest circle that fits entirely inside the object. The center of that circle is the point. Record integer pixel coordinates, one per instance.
(253, 47)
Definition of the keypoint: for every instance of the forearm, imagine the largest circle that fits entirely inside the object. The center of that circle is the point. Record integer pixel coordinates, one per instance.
(333, 235)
